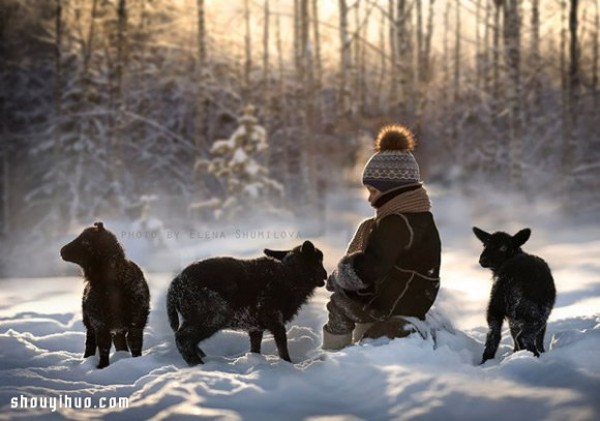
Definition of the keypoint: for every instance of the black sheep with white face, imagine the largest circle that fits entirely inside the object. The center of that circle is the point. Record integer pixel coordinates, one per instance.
(523, 292)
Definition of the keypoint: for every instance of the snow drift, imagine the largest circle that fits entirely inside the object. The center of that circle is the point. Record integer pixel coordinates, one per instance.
(434, 376)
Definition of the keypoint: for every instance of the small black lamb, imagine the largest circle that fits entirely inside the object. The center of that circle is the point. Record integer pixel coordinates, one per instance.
(523, 292)
(116, 299)
(252, 295)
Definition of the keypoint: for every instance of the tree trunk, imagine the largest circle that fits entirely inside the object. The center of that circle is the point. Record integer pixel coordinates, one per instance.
(404, 54)
(536, 58)
(117, 136)
(427, 54)
(201, 141)
(362, 31)
(306, 78)
(446, 59)
(496, 61)
(512, 38)
(478, 49)
(570, 145)
(266, 68)
(456, 80)
(596, 52)
(58, 87)
(382, 62)
(419, 36)
(345, 57)
(563, 46)
(279, 45)
(354, 96)
(424, 64)
(76, 177)
(317, 43)
(486, 48)
(248, 51)
(393, 54)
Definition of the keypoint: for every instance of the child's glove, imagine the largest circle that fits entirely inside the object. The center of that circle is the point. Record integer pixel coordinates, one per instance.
(331, 282)
(344, 276)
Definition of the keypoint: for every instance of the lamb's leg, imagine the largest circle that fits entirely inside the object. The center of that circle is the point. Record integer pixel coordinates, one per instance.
(187, 338)
(103, 339)
(539, 340)
(120, 341)
(256, 337)
(495, 318)
(279, 334)
(90, 337)
(90, 343)
(528, 338)
(135, 340)
(515, 332)
(493, 339)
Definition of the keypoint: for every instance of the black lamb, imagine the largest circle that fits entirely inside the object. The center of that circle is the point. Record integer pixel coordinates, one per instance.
(116, 299)
(523, 292)
(251, 295)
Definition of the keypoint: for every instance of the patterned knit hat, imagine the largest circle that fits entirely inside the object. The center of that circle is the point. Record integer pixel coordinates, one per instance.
(393, 165)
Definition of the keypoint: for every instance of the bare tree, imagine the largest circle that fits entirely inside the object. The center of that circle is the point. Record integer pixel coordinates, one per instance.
(595, 55)
(456, 76)
(58, 86)
(266, 27)
(424, 60)
(535, 55)
(357, 98)
(478, 46)
(119, 98)
(247, 49)
(404, 45)
(317, 44)
(393, 52)
(487, 29)
(279, 46)
(512, 38)
(201, 141)
(447, 41)
(428, 37)
(573, 82)
(383, 59)
(266, 65)
(345, 57)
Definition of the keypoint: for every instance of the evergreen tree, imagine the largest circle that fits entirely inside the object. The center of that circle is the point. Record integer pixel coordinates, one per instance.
(239, 164)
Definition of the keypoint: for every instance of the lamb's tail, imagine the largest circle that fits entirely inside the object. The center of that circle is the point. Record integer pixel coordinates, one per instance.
(172, 304)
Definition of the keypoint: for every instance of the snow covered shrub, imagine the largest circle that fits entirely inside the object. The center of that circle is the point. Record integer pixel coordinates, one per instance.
(523, 292)
(238, 163)
(116, 299)
(251, 295)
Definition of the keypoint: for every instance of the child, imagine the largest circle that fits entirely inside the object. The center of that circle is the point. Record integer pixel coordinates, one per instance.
(391, 267)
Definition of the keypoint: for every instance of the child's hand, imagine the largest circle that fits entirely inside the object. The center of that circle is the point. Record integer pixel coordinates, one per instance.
(330, 286)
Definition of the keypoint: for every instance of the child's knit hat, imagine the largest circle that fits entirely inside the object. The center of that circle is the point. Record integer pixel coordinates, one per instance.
(393, 165)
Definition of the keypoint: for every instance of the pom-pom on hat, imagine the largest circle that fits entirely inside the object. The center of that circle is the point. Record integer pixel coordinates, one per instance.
(393, 165)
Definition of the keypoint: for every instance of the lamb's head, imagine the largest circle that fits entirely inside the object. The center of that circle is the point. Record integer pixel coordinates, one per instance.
(500, 246)
(306, 258)
(93, 246)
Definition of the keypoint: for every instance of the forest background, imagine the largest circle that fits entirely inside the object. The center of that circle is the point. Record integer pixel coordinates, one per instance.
(111, 109)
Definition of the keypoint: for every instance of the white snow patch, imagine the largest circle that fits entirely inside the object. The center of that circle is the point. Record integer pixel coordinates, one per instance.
(434, 378)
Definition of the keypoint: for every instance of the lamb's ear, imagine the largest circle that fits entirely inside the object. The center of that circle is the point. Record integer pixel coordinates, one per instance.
(521, 237)
(481, 234)
(99, 226)
(307, 247)
(276, 254)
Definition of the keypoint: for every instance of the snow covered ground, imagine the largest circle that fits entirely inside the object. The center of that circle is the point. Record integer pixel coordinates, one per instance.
(42, 339)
